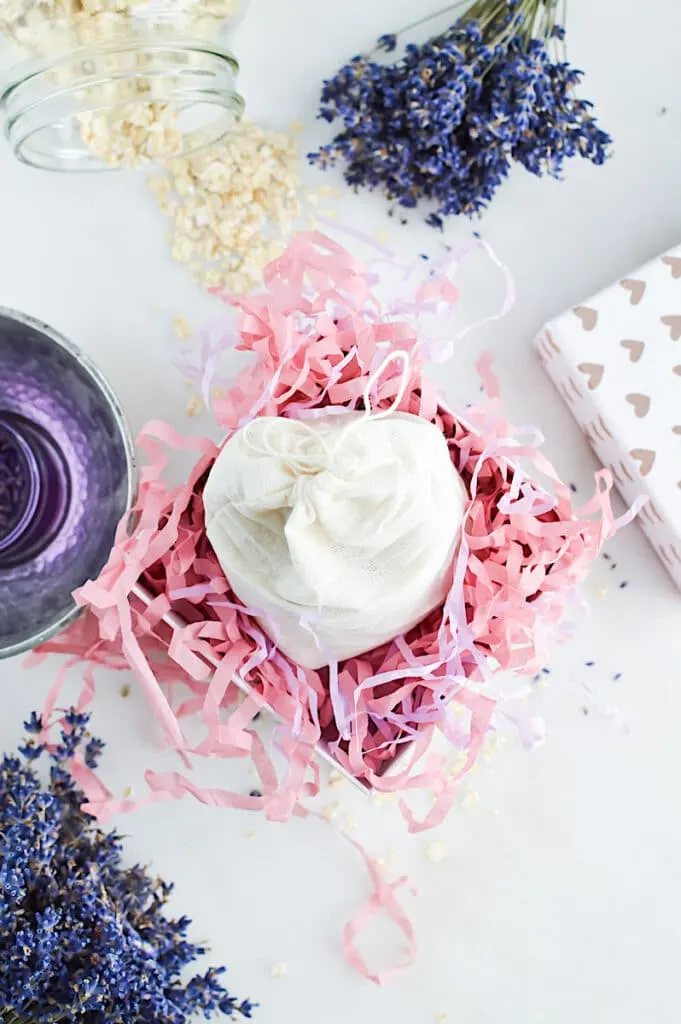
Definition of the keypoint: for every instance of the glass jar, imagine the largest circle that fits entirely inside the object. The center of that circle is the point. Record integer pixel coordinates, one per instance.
(117, 83)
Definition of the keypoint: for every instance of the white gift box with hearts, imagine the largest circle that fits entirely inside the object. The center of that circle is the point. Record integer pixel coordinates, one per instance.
(616, 361)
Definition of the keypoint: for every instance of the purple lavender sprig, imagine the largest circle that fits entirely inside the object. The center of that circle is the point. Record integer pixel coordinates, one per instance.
(445, 123)
(83, 938)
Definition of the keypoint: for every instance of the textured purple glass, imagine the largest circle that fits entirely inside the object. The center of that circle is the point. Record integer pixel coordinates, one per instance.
(66, 478)
(19, 485)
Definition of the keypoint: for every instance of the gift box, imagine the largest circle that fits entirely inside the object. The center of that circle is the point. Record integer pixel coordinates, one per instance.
(616, 361)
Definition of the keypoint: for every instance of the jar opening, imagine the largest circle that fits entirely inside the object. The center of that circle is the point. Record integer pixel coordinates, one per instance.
(42, 490)
(121, 106)
(18, 485)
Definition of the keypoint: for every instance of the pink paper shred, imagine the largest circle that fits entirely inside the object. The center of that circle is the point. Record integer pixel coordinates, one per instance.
(316, 333)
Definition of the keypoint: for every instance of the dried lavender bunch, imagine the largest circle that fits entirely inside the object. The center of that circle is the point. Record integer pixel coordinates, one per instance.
(446, 121)
(83, 938)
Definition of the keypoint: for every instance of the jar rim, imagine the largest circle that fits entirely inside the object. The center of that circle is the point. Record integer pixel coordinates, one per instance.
(42, 114)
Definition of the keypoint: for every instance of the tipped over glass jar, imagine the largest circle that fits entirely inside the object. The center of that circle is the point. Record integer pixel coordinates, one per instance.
(102, 84)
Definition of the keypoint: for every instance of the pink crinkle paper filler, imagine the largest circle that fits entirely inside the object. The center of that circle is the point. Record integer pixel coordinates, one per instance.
(317, 333)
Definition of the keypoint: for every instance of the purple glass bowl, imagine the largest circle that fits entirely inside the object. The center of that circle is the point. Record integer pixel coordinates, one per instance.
(67, 476)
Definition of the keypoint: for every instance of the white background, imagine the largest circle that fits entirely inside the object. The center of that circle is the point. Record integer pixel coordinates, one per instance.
(559, 900)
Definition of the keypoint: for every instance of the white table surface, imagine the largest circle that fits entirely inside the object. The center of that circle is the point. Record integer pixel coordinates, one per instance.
(559, 900)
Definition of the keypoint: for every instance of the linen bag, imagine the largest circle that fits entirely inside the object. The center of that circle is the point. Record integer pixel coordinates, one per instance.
(340, 531)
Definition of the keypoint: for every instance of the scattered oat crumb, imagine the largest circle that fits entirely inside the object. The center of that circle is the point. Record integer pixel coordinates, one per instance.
(602, 591)
(336, 779)
(125, 690)
(279, 970)
(195, 406)
(389, 859)
(331, 811)
(296, 127)
(382, 798)
(232, 206)
(182, 328)
(471, 798)
(351, 822)
(435, 851)
(251, 834)
(456, 766)
(128, 793)
(490, 747)
(441, 1018)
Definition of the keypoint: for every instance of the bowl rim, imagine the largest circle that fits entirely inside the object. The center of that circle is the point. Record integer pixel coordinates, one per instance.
(104, 387)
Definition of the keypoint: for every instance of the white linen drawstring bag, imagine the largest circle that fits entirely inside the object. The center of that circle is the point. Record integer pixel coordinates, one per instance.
(339, 531)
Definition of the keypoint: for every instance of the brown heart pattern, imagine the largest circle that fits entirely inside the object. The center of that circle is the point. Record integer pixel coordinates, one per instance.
(645, 458)
(604, 427)
(636, 289)
(674, 263)
(674, 325)
(641, 404)
(635, 349)
(594, 372)
(552, 341)
(588, 317)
